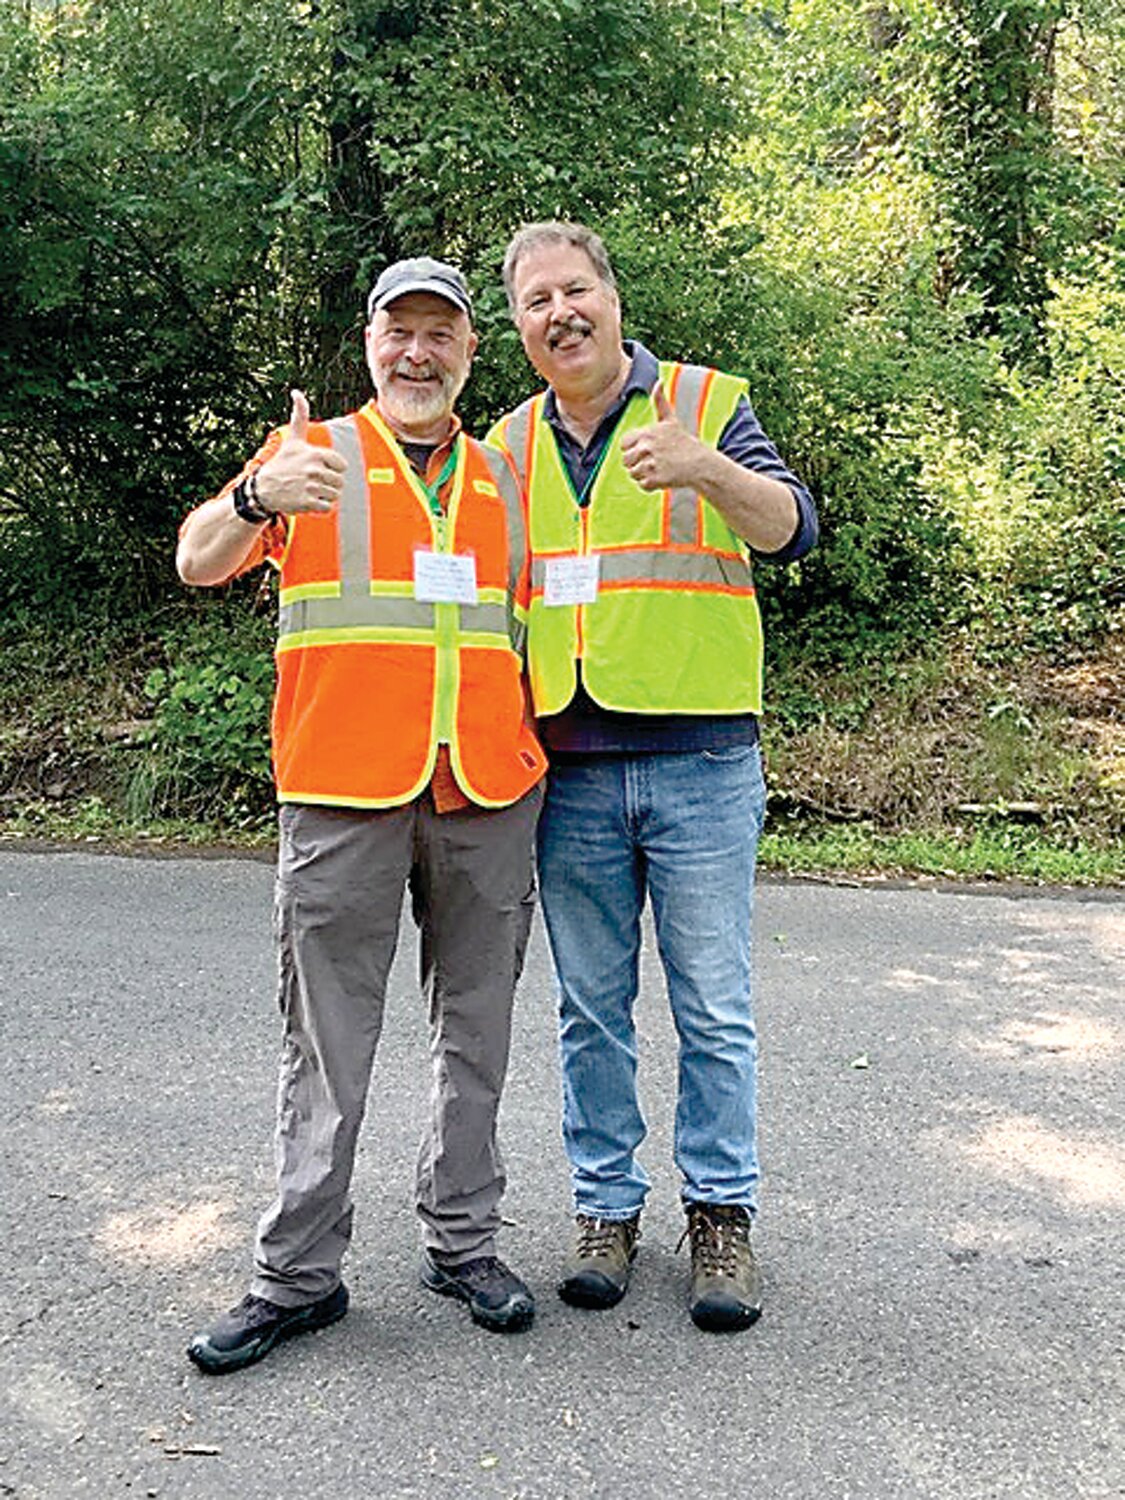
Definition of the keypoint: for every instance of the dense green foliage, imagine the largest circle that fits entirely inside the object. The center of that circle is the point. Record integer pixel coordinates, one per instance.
(207, 753)
(195, 204)
(901, 220)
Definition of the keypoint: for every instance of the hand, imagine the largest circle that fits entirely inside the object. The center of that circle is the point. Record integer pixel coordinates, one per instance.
(665, 456)
(301, 476)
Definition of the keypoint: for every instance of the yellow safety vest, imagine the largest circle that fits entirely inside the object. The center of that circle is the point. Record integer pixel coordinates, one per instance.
(675, 626)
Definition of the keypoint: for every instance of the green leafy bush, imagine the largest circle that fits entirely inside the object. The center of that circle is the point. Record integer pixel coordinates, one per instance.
(1036, 482)
(209, 753)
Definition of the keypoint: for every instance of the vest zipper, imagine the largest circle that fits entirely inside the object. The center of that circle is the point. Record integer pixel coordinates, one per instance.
(446, 618)
(583, 551)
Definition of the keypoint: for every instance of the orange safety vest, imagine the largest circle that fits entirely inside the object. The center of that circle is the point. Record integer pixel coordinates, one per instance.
(371, 679)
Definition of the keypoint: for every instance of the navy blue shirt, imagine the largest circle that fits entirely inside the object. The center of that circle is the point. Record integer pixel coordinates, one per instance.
(584, 727)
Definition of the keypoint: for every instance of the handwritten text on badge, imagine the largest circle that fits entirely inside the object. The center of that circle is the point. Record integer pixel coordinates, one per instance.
(444, 578)
(571, 580)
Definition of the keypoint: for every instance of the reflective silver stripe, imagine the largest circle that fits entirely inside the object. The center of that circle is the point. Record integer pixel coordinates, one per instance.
(683, 520)
(515, 436)
(393, 607)
(355, 539)
(508, 486)
(686, 405)
(683, 517)
(375, 610)
(655, 565)
(352, 536)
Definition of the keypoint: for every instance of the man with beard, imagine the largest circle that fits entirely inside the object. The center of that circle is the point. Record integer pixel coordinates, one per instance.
(650, 484)
(403, 758)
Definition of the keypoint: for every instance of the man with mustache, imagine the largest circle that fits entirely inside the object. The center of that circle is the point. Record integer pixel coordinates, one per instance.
(650, 485)
(403, 759)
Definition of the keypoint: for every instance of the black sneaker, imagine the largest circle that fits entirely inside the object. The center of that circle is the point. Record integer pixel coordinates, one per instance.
(597, 1269)
(497, 1298)
(249, 1331)
(726, 1286)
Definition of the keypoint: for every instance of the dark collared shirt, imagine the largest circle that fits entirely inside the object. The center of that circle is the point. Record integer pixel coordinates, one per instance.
(584, 727)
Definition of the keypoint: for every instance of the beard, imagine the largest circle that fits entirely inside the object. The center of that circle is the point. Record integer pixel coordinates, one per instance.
(415, 405)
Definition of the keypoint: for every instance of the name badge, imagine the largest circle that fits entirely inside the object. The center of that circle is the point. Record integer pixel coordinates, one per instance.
(571, 580)
(444, 578)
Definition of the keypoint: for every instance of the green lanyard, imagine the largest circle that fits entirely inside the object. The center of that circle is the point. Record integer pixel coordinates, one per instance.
(582, 497)
(433, 494)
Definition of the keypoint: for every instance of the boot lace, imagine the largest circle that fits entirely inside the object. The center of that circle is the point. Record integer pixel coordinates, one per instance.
(717, 1233)
(255, 1312)
(483, 1273)
(599, 1236)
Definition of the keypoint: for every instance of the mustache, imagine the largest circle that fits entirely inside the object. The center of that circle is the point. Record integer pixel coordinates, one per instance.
(559, 329)
(425, 370)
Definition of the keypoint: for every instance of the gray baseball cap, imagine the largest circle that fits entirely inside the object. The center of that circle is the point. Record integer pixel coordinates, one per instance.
(419, 275)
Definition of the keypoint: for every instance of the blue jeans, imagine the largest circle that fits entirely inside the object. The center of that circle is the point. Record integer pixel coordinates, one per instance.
(682, 829)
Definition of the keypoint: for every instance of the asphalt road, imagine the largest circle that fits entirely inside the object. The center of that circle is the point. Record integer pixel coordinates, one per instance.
(942, 1226)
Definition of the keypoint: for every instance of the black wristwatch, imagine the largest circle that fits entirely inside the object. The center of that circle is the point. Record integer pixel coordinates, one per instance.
(247, 505)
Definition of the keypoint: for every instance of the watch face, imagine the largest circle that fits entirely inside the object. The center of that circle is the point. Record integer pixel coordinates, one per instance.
(247, 508)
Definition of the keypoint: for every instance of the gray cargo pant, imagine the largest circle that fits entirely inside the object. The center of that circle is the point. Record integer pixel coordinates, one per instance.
(340, 883)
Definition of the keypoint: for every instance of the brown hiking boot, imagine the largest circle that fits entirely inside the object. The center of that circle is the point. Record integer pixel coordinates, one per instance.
(726, 1287)
(597, 1269)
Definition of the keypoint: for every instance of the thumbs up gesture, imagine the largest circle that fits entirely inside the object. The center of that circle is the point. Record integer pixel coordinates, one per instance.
(664, 412)
(299, 415)
(300, 476)
(665, 455)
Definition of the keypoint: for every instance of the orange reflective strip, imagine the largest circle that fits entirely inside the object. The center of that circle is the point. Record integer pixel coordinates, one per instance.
(529, 441)
(706, 551)
(648, 584)
(580, 612)
(666, 501)
(614, 547)
(708, 382)
(617, 586)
